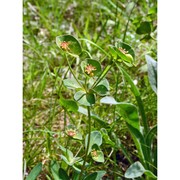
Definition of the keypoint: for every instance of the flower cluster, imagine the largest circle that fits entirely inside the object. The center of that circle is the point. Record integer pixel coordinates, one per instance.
(65, 45)
(89, 69)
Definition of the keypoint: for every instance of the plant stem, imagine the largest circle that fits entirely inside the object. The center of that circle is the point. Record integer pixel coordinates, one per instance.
(106, 70)
(73, 72)
(65, 122)
(82, 39)
(124, 37)
(89, 138)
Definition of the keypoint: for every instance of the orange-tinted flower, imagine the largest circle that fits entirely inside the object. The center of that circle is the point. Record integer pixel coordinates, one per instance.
(123, 50)
(94, 153)
(65, 45)
(89, 69)
(71, 132)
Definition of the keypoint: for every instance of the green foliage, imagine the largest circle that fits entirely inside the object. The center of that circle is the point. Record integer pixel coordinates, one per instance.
(130, 114)
(69, 105)
(123, 53)
(134, 171)
(35, 172)
(71, 83)
(144, 28)
(95, 138)
(152, 72)
(92, 64)
(137, 170)
(69, 44)
(88, 102)
(57, 172)
(95, 176)
(86, 99)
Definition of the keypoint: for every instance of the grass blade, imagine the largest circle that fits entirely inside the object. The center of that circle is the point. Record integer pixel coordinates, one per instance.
(35, 172)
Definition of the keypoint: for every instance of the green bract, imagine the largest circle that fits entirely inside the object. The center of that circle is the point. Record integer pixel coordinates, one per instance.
(71, 83)
(69, 44)
(71, 131)
(86, 99)
(68, 104)
(91, 67)
(122, 52)
(96, 138)
(96, 154)
(101, 88)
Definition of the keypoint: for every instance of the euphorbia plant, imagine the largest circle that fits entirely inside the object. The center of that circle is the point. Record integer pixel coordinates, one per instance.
(87, 89)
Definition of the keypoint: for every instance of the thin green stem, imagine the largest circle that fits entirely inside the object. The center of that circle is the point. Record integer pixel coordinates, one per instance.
(65, 122)
(124, 37)
(88, 143)
(102, 29)
(82, 39)
(73, 72)
(103, 74)
(115, 96)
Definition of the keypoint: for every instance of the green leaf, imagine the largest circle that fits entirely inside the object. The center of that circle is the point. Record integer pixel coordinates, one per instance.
(106, 137)
(101, 90)
(54, 166)
(78, 136)
(150, 136)
(95, 138)
(127, 47)
(96, 154)
(130, 7)
(122, 52)
(69, 157)
(127, 110)
(152, 10)
(35, 172)
(134, 89)
(136, 21)
(65, 160)
(85, 99)
(71, 161)
(102, 87)
(63, 175)
(139, 142)
(145, 38)
(113, 52)
(73, 132)
(136, 93)
(121, 57)
(68, 153)
(91, 67)
(95, 176)
(69, 44)
(144, 28)
(150, 174)
(108, 100)
(69, 105)
(134, 171)
(71, 83)
(152, 72)
(129, 113)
